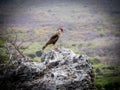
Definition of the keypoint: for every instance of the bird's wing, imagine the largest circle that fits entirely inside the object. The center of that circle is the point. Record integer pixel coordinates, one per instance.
(53, 39)
(54, 36)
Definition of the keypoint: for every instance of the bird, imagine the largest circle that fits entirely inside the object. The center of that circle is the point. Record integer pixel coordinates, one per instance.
(53, 38)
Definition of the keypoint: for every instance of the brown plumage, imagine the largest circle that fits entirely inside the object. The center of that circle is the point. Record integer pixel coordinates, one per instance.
(54, 38)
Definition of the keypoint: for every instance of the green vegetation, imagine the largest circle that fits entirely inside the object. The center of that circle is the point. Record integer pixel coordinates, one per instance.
(86, 32)
(117, 34)
(37, 59)
(106, 77)
(94, 60)
(3, 53)
(105, 80)
(102, 34)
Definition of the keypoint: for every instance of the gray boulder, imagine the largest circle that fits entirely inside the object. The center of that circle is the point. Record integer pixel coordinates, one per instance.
(59, 69)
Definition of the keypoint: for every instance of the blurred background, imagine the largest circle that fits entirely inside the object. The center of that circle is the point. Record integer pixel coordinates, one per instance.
(91, 27)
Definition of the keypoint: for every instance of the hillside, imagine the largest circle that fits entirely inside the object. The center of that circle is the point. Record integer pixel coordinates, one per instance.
(91, 27)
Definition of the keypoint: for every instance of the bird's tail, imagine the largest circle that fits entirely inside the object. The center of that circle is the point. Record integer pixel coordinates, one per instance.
(44, 46)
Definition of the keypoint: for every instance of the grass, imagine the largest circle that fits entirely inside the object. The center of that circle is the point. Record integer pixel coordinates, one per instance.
(102, 34)
(105, 78)
(101, 81)
(117, 34)
(74, 47)
(33, 48)
(37, 59)
(94, 60)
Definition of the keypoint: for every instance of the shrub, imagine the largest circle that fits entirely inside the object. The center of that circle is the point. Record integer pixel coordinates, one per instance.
(99, 86)
(3, 53)
(102, 34)
(117, 34)
(94, 60)
(111, 68)
(98, 70)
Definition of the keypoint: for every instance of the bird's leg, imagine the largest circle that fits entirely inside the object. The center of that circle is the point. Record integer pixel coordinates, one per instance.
(56, 47)
(60, 45)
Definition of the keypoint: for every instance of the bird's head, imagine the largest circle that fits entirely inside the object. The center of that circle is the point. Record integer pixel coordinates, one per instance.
(60, 29)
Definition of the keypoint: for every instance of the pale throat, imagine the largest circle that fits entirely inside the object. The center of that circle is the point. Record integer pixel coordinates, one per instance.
(59, 32)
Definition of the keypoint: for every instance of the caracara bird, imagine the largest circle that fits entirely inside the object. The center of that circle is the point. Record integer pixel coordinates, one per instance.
(54, 38)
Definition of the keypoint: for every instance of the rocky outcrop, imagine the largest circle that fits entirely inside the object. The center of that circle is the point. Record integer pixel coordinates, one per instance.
(59, 69)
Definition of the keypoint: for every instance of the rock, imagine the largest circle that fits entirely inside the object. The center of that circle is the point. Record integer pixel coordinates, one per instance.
(38, 53)
(59, 69)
